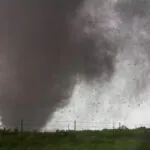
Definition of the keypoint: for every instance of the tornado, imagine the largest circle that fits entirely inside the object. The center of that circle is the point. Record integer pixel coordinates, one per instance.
(41, 54)
(46, 45)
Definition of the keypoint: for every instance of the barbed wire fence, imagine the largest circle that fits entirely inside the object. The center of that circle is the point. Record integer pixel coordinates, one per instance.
(77, 126)
(81, 125)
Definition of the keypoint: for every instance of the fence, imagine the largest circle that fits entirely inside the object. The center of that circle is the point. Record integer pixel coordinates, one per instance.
(81, 125)
(76, 125)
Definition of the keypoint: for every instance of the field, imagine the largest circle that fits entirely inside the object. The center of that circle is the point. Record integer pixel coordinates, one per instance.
(137, 139)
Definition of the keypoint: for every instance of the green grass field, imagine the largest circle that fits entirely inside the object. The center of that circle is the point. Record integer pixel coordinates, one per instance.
(138, 139)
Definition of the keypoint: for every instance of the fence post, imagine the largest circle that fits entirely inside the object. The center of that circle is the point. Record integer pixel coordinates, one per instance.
(119, 125)
(68, 126)
(113, 129)
(75, 125)
(21, 127)
(0, 135)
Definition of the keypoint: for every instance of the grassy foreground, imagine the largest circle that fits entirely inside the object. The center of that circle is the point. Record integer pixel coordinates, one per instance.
(138, 139)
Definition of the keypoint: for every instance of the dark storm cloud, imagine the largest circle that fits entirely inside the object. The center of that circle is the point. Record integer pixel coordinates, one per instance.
(42, 60)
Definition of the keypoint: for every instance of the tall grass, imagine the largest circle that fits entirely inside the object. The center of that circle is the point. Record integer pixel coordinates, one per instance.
(118, 139)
